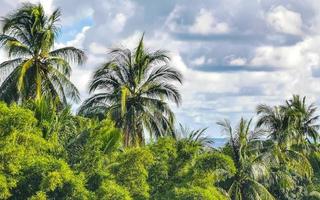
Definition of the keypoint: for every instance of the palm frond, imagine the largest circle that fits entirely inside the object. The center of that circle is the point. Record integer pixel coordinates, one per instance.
(70, 54)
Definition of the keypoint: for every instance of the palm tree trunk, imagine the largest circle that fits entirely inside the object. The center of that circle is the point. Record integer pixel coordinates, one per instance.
(126, 137)
(20, 99)
(38, 83)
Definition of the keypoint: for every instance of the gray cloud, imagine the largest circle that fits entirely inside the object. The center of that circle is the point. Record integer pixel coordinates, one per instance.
(237, 68)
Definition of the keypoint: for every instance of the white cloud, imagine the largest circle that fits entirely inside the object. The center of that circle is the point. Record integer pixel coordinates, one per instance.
(298, 62)
(205, 23)
(119, 22)
(301, 55)
(199, 61)
(96, 48)
(77, 41)
(171, 20)
(131, 41)
(284, 20)
(238, 61)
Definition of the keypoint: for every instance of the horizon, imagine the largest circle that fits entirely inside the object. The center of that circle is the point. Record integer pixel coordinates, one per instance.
(270, 49)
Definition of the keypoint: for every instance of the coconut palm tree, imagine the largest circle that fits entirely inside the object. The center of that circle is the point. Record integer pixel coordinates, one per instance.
(276, 123)
(304, 117)
(34, 68)
(133, 87)
(286, 149)
(294, 122)
(250, 168)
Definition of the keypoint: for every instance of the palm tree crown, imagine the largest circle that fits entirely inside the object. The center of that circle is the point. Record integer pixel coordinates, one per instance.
(294, 121)
(133, 89)
(28, 35)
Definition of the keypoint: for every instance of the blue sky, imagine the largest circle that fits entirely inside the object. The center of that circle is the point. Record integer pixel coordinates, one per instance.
(234, 54)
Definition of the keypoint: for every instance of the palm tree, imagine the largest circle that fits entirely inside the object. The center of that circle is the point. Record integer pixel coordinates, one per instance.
(293, 122)
(276, 123)
(250, 168)
(34, 69)
(133, 88)
(305, 118)
(286, 148)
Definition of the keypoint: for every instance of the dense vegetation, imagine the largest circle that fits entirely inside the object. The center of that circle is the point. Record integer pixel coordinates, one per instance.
(122, 144)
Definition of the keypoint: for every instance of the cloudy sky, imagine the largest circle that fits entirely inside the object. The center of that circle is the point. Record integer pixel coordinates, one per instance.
(234, 54)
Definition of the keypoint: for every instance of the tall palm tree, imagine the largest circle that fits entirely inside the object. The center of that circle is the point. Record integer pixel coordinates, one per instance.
(133, 87)
(250, 168)
(34, 68)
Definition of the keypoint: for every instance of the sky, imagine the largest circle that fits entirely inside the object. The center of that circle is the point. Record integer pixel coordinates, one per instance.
(233, 54)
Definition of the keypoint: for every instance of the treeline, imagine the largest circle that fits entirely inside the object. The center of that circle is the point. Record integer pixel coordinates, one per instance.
(122, 143)
(51, 154)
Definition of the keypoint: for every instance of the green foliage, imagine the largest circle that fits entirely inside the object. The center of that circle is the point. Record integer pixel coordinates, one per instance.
(96, 146)
(109, 190)
(179, 166)
(198, 193)
(131, 171)
(161, 173)
(4, 187)
(47, 153)
(51, 176)
(39, 196)
(15, 118)
(27, 166)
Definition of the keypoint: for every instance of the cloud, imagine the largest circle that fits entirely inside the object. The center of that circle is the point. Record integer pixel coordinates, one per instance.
(237, 61)
(199, 61)
(119, 22)
(301, 55)
(205, 23)
(79, 38)
(96, 48)
(273, 47)
(284, 20)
